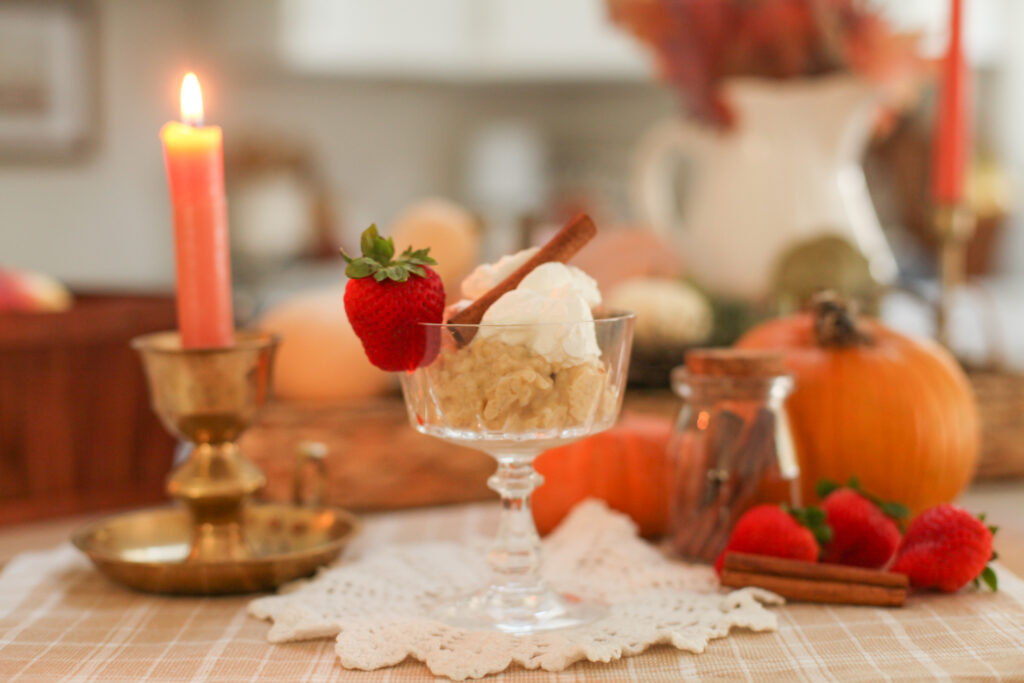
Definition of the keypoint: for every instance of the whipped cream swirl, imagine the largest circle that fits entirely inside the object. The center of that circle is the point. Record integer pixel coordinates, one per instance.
(552, 304)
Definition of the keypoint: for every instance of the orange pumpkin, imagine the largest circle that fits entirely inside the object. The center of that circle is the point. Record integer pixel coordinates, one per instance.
(869, 402)
(626, 466)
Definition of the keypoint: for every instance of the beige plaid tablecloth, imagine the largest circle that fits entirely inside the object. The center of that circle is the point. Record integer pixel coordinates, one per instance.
(61, 621)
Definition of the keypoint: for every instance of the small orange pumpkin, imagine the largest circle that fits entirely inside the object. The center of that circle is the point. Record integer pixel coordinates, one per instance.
(626, 466)
(869, 402)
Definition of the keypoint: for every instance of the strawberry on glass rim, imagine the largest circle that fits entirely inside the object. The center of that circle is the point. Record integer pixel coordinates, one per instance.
(388, 299)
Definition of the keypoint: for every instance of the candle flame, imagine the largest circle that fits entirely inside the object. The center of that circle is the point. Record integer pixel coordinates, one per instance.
(191, 101)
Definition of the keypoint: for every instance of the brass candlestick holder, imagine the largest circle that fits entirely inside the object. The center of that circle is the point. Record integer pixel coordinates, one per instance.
(954, 224)
(217, 540)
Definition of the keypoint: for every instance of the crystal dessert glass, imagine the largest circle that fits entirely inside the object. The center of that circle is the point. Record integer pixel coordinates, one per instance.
(513, 391)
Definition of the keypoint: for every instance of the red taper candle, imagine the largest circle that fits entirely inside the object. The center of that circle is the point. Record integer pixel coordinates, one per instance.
(952, 138)
(194, 155)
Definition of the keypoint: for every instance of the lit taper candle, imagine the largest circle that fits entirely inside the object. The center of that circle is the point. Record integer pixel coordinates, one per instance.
(194, 155)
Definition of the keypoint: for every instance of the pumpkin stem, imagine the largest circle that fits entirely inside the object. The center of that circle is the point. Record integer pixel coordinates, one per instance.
(835, 322)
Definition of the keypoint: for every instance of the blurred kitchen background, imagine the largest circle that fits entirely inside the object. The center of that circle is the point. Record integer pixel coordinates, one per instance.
(519, 105)
(516, 113)
(374, 105)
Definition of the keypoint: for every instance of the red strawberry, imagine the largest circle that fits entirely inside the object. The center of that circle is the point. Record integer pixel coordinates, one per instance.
(778, 531)
(386, 300)
(945, 548)
(864, 529)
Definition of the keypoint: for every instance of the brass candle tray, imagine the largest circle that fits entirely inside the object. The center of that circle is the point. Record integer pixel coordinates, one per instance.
(149, 549)
(217, 540)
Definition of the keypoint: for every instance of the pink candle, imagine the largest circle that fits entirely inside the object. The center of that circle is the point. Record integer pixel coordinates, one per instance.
(194, 155)
(951, 144)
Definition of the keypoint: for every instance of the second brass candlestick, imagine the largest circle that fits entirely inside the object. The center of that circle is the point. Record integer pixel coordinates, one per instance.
(954, 225)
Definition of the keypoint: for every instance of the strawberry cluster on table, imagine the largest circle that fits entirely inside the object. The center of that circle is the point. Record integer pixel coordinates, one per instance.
(944, 548)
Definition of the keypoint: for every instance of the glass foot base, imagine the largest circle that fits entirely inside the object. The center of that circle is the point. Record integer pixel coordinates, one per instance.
(519, 612)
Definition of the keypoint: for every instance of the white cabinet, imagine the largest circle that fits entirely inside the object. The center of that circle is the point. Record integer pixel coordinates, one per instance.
(556, 39)
(413, 38)
(456, 40)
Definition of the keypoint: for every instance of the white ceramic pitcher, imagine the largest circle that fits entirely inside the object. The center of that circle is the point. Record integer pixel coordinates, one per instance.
(788, 171)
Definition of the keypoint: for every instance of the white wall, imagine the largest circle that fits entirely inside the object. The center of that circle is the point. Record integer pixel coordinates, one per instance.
(380, 146)
(104, 219)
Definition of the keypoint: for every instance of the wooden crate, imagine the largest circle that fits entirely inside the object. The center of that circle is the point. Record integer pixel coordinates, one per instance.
(375, 460)
(76, 430)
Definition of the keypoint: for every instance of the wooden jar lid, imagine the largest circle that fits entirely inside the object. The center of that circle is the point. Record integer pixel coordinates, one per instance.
(735, 362)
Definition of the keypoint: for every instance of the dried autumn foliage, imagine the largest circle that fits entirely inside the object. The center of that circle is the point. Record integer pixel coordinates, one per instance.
(699, 43)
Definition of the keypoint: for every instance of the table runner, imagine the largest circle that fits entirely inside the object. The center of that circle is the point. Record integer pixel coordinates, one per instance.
(60, 620)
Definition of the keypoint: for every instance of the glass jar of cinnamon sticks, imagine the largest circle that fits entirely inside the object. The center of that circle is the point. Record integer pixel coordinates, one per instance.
(732, 447)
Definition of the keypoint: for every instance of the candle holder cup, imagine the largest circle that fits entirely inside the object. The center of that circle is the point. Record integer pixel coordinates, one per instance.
(217, 540)
(208, 397)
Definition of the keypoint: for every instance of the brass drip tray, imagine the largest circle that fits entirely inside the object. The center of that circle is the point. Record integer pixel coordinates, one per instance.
(149, 549)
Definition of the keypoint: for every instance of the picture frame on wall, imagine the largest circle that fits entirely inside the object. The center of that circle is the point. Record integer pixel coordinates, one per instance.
(48, 79)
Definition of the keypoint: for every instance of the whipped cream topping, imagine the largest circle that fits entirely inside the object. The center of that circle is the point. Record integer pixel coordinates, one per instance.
(485, 276)
(552, 293)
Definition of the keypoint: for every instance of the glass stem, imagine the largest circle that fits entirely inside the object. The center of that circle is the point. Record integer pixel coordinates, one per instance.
(515, 555)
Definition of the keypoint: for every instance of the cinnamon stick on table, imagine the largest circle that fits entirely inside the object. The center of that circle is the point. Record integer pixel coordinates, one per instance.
(562, 247)
(814, 581)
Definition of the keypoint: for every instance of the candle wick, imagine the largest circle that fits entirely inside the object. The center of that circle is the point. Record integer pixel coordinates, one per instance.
(193, 121)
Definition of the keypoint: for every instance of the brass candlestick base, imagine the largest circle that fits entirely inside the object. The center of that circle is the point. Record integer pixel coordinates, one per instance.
(220, 542)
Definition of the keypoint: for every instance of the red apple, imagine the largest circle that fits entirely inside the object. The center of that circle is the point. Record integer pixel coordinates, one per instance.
(31, 292)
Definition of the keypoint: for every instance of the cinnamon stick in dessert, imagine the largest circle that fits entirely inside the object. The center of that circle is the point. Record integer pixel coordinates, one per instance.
(815, 582)
(562, 247)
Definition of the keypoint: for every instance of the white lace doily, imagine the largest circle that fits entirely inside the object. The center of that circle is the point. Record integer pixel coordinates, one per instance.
(378, 606)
